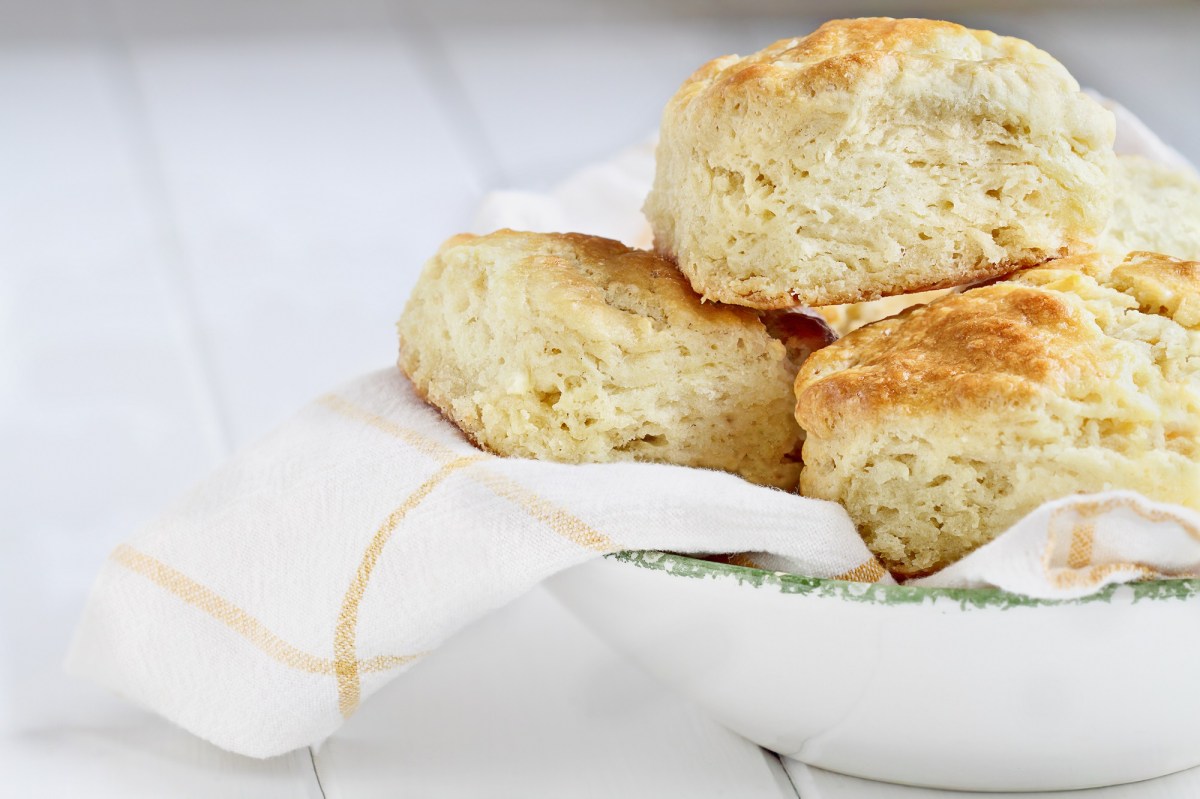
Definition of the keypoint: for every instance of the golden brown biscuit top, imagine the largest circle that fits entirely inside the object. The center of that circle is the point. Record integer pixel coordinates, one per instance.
(842, 51)
(595, 280)
(923, 36)
(1046, 329)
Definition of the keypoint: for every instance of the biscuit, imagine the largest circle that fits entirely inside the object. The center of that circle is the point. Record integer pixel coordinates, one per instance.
(877, 157)
(1157, 208)
(579, 349)
(940, 428)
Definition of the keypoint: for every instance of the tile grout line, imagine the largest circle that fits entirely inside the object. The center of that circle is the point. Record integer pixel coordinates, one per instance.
(312, 759)
(432, 61)
(172, 258)
(776, 762)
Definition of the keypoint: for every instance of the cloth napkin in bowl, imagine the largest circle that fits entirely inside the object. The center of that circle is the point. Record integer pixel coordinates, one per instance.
(264, 607)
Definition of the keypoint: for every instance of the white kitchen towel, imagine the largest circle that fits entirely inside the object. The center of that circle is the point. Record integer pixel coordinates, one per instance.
(319, 564)
(1074, 546)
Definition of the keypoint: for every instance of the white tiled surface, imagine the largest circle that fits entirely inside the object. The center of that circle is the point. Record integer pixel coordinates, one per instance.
(212, 211)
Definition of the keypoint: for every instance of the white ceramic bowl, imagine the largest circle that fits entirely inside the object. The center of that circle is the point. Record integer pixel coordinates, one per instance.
(945, 688)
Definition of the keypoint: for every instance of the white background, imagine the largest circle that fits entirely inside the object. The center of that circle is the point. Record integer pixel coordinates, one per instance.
(211, 212)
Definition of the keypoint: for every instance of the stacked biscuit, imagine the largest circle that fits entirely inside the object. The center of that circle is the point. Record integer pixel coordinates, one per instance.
(862, 171)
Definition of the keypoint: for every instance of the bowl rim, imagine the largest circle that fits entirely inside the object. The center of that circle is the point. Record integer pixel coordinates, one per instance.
(876, 593)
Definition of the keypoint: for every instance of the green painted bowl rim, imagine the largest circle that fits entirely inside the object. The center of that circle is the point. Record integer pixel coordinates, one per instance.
(873, 593)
